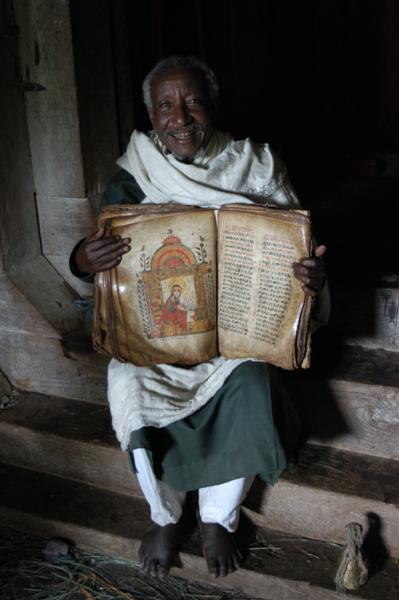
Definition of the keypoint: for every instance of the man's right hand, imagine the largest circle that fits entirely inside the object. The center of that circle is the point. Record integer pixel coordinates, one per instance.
(99, 252)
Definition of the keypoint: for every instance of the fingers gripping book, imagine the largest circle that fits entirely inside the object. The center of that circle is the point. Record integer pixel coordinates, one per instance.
(201, 282)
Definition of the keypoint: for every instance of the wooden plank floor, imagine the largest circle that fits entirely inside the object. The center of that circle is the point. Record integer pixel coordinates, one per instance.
(317, 497)
(350, 399)
(367, 317)
(64, 474)
(277, 565)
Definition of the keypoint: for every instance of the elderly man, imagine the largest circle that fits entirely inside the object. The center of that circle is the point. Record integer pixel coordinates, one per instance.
(230, 423)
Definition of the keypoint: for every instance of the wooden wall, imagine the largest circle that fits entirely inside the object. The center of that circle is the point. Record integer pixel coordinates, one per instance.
(33, 357)
(46, 208)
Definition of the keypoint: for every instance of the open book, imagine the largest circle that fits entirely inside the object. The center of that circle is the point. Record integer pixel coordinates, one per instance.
(198, 283)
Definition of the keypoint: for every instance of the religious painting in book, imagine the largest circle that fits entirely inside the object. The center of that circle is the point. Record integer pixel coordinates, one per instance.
(176, 289)
(161, 304)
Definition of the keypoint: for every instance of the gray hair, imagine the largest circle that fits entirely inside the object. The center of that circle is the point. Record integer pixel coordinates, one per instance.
(185, 62)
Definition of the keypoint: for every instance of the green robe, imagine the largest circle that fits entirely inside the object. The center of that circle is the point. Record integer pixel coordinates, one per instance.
(247, 428)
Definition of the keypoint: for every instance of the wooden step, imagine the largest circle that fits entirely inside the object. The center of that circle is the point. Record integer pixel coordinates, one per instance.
(367, 317)
(349, 399)
(34, 358)
(69, 438)
(276, 565)
(326, 490)
(340, 362)
(75, 440)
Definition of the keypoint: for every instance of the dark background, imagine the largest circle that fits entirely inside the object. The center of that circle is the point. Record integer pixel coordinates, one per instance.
(317, 76)
(318, 79)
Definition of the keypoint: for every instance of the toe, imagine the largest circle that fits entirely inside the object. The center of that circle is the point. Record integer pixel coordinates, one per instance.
(153, 568)
(145, 564)
(158, 549)
(213, 568)
(222, 568)
(162, 572)
(230, 566)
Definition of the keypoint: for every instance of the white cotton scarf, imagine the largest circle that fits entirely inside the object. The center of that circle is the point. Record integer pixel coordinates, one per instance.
(224, 171)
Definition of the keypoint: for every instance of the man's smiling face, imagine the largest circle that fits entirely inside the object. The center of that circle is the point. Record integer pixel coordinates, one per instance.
(180, 111)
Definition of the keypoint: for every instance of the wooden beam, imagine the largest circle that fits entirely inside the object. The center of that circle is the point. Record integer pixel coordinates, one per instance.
(46, 56)
(18, 316)
(33, 357)
(63, 222)
(24, 263)
(42, 365)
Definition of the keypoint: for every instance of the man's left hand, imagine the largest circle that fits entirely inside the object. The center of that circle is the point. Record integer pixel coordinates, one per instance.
(311, 272)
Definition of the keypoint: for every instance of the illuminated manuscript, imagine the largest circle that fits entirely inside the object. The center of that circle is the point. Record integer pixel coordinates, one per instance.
(199, 282)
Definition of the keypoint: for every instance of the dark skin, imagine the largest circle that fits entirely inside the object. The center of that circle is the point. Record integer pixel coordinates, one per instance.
(181, 116)
(158, 549)
(311, 272)
(220, 549)
(99, 252)
(180, 113)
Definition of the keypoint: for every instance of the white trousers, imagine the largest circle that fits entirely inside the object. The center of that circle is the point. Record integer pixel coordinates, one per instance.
(217, 503)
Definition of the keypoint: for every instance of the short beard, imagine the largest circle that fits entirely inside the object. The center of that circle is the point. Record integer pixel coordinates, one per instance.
(185, 160)
(195, 127)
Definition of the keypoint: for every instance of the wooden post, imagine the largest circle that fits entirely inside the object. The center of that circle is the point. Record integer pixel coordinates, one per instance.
(28, 163)
(47, 177)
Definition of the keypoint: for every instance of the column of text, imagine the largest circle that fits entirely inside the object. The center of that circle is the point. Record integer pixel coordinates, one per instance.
(274, 287)
(237, 279)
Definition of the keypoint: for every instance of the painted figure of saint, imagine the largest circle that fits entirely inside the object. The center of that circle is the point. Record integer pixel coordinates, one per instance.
(174, 311)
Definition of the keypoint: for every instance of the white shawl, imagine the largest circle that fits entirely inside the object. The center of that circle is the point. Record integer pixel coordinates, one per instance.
(224, 171)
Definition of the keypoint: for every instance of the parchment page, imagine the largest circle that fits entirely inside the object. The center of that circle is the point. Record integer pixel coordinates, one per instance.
(260, 302)
(164, 291)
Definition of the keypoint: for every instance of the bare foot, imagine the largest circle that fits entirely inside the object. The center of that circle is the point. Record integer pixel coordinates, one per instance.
(158, 549)
(220, 549)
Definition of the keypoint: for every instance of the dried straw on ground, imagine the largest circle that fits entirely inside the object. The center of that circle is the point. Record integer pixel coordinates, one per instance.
(25, 574)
